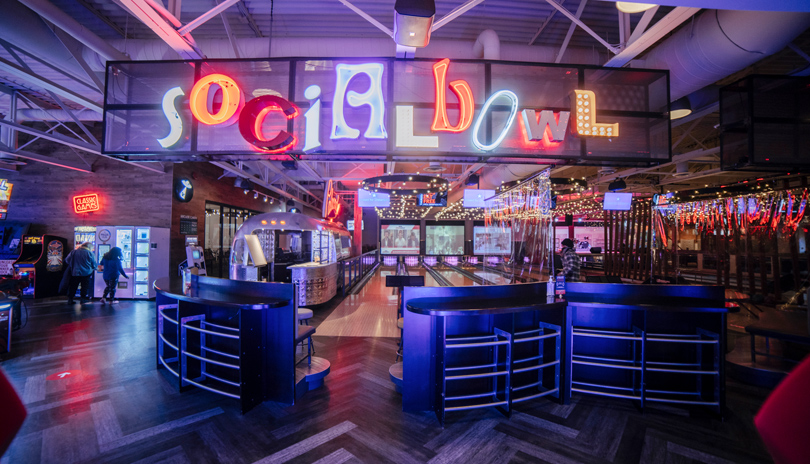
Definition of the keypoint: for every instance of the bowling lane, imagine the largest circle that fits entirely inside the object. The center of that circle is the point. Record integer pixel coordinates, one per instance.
(372, 312)
(455, 278)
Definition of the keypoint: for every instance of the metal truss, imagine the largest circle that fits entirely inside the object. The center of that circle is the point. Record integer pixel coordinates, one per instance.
(275, 182)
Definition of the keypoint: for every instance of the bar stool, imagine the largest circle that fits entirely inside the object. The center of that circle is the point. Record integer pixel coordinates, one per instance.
(400, 326)
(304, 315)
(305, 333)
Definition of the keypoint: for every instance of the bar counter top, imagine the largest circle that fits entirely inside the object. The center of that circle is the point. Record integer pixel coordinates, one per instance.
(453, 307)
(216, 292)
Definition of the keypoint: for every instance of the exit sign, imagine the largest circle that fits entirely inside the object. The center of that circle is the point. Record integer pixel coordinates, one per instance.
(86, 203)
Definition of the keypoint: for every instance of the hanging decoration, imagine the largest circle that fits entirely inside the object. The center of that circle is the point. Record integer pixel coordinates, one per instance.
(765, 213)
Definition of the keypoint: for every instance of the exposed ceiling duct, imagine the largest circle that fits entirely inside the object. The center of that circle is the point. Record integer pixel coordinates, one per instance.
(720, 43)
(487, 45)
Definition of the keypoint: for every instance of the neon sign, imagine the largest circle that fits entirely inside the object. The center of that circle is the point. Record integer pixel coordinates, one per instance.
(331, 202)
(86, 203)
(346, 107)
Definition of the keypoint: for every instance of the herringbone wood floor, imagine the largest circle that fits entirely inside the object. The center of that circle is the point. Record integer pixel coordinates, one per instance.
(116, 407)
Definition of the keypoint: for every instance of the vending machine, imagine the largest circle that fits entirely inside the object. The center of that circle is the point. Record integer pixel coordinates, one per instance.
(145, 258)
(41, 261)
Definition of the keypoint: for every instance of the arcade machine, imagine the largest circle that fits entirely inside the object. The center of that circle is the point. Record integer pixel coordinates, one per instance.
(10, 237)
(83, 234)
(145, 253)
(196, 258)
(41, 261)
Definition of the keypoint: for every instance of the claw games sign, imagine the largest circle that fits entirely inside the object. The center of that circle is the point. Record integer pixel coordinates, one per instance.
(250, 109)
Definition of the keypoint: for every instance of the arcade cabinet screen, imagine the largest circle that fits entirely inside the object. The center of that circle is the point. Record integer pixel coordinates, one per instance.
(444, 240)
(492, 240)
(195, 254)
(399, 239)
(617, 201)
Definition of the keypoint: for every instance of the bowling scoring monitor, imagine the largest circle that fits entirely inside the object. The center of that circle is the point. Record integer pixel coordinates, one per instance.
(195, 258)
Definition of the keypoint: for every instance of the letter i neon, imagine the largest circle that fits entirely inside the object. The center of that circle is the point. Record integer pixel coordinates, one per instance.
(312, 128)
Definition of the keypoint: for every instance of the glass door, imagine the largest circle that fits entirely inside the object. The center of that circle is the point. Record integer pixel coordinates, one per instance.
(221, 224)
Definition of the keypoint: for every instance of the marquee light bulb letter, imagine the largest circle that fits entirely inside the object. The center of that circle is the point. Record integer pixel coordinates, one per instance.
(373, 97)
(252, 118)
(232, 100)
(501, 93)
(466, 102)
(171, 114)
(536, 129)
(312, 118)
(585, 103)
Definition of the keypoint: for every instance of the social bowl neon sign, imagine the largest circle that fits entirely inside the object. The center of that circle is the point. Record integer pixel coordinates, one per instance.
(217, 100)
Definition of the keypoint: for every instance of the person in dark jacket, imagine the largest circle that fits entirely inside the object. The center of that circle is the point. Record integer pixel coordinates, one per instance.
(111, 261)
(82, 263)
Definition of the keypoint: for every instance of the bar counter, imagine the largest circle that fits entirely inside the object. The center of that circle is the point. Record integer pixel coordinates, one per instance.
(496, 346)
(234, 338)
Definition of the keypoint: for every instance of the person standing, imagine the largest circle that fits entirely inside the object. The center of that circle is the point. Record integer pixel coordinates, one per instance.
(82, 263)
(111, 261)
(570, 261)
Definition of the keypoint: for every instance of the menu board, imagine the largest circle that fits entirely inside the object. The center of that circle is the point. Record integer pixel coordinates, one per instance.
(492, 240)
(444, 240)
(399, 239)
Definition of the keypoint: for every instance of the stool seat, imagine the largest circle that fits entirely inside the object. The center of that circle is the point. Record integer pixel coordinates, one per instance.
(304, 332)
(304, 314)
(400, 322)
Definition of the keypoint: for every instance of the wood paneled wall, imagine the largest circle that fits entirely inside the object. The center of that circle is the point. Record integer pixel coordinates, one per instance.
(628, 242)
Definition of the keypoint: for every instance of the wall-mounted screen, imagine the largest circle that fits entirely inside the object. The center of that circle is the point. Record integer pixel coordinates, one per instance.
(432, 199)
(492, 240)
(350, 225)
(399, 239)
(444, 240)
(366, 199)
(615, 201)
(475, 198)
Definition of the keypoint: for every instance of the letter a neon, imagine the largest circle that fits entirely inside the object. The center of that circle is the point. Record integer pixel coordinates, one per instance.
(466, 103)
(373, 97)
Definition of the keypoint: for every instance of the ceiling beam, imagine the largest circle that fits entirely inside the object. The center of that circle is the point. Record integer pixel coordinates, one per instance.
(98, 14)
(53, 137)
(467, 172)
(39, 81)
(205, 17)
(584, 27)
(641, 27)
(570, 32)
(258, 181)
(147, 14)
(368, 18)
(289, 179)
(455, 13)
(543, 27)
(44, 159)
(663, 27)
(249, 18)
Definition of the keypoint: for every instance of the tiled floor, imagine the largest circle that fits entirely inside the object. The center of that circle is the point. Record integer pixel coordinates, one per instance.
(116, 407)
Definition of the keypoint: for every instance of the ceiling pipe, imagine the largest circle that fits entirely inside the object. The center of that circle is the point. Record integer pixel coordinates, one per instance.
(487, 45)
(28, 114)
(720, 43)
(63, 21)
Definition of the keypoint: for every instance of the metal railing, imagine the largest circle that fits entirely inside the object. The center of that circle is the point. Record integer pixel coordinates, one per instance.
(353, 270)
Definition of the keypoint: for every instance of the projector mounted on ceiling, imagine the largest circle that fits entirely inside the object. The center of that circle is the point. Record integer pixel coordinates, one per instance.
(413, 20)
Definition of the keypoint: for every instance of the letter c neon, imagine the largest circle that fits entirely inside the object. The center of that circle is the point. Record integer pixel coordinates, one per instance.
(232, 100)
(252, 118)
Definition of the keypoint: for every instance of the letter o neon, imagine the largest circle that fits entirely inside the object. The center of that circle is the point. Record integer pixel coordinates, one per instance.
(232, 100)
(514, 99)
(252, 117)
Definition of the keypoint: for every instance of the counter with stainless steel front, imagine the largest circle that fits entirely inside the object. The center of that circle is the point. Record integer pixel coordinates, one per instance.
(317, 282)
(235, 338)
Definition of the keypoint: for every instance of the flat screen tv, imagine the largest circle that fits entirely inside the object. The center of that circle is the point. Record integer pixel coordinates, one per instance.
(444, 240)
(399, 239)
(366, 199)
(615, 201)
(492, 240)
(476, 198)
(432, 199)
